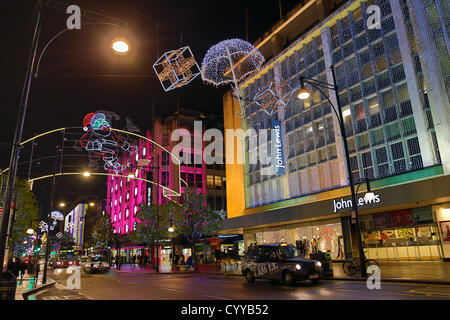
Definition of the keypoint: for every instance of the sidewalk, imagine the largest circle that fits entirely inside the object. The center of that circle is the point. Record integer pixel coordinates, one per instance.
(405, 271)
(434, 272)
(27, 283)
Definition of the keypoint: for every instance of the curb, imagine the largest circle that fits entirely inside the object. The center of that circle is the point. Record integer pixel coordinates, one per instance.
(220, 273)
(160, 273)
(447, 283)
(34, 290)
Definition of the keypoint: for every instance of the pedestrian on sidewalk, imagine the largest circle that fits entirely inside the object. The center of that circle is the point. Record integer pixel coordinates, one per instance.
(118, 262)
(190, 263)
(10, 266)
(22, 268)
(30, 268)
(37, 269)
(218, 257)
(16, 267)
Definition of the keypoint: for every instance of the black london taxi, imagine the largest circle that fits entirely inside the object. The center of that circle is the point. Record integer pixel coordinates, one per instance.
(279, 262)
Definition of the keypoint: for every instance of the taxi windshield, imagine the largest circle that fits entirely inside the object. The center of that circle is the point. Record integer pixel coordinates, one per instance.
(288, 251)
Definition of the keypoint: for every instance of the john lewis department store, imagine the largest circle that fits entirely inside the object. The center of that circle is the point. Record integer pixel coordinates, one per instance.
(396, 127)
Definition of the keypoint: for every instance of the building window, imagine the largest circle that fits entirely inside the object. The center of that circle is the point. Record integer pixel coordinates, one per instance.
(137, 157)
(218, 182)
(144, 151)
(128, 195)
(210, 181)
(135, 209)
(126, 228)
(135, 191)
(126, 213)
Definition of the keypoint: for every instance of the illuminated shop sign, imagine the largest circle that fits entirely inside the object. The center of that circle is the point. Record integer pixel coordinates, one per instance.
(347, 204)
(277, 146)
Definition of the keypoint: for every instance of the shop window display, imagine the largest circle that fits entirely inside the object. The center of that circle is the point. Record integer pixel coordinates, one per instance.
(308, 239)
(408, 234)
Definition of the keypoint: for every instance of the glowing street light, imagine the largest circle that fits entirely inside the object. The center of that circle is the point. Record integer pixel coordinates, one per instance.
(171, 229)
(303, 93)
(30, 231)
(120, 45)
(91, 204)
(86, 174)
(62, 204)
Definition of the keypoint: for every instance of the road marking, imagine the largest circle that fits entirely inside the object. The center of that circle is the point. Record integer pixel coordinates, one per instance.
(180, 291)
(215, 297)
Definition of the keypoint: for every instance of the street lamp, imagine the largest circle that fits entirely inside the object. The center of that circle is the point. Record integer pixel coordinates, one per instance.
(62, 204)
(171, 229)
(120, 45)
(305, 94)
(91, 204)
(30, 231)
(86, 174)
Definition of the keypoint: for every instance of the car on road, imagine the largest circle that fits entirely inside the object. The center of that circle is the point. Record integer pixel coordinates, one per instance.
(63, 261)
(94, 264)
(279, 262)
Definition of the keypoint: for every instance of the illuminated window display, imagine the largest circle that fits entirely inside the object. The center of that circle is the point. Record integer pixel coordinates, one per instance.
(307, 237)
(408, 234)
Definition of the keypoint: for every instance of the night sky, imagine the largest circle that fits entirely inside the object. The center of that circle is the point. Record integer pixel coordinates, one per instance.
(79, 73)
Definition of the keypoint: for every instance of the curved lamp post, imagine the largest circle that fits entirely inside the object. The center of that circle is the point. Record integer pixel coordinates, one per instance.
(303, 94)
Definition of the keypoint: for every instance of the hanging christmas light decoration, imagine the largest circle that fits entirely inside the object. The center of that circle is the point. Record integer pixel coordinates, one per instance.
(176, 68)
(270, 97)
(101, 140)
(230, 61)
(43, 226)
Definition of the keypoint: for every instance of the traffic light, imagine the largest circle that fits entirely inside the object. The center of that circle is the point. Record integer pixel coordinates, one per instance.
(36, 250)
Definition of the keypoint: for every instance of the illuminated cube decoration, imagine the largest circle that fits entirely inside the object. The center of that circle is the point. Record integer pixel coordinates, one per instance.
(268, 99)
(74, 223)
(176, 68)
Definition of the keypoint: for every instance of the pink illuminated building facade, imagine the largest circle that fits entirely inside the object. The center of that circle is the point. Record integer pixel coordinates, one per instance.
(125, 195)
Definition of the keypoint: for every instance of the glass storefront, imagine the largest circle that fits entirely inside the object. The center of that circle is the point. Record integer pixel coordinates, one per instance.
(325, 236)
(410, 234)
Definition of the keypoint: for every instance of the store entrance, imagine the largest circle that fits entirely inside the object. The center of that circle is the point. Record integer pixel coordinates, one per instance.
(166, 253)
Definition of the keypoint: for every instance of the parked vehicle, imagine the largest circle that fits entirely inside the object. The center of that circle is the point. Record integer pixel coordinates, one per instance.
(279, 262)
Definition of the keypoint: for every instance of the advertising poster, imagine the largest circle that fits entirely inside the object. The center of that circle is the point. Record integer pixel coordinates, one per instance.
(445, 230)
(382, 220)
(402, 218)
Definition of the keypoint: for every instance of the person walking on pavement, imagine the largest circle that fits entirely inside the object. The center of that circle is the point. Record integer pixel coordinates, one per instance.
(22, 268)
(218, 257)
(118, 262)
(190, 263)
(16, 267)
(37, 269)
(30, 268)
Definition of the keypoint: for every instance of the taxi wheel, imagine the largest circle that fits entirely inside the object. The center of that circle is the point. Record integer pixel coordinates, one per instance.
(289, 279)
(249, 276)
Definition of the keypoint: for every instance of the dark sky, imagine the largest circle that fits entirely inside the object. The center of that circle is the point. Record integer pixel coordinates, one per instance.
(79, 74)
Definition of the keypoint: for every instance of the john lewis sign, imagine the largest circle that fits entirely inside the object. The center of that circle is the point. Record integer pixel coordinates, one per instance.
(347, 204)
